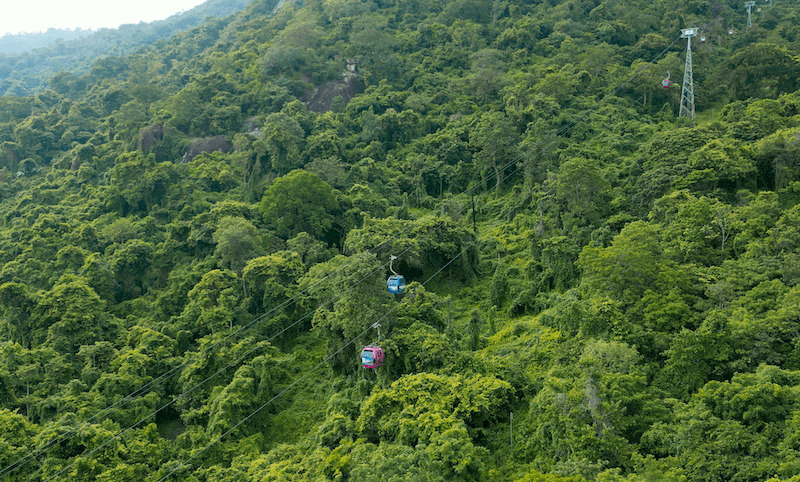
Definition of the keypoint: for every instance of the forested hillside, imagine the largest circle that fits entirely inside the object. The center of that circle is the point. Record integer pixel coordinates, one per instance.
(21, 42)
(193, 257)
(28, 61)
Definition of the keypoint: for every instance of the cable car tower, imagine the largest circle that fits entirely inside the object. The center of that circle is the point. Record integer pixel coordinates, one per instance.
(687, 91)
(749, 6)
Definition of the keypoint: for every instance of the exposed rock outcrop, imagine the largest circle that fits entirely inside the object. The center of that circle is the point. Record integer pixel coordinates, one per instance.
(320, 98)
(208, 144)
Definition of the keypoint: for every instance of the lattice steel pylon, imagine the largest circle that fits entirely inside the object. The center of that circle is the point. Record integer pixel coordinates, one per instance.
(687, 90)
(749, 6)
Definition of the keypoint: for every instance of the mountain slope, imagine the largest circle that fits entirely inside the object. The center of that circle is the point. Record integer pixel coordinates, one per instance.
(192, 258)
(27, 61)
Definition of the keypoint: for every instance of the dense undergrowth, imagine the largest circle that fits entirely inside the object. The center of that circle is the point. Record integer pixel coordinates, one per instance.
(192, 260)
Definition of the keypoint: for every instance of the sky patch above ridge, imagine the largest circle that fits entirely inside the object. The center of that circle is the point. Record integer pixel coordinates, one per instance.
(32, 16)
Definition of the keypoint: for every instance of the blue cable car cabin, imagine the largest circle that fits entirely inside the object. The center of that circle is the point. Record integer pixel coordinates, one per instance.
(396, 284)
(372, 356)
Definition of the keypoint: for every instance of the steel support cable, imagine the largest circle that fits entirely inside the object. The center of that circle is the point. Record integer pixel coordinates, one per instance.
(564, 129)
(308, 372)
(213, 375)
(137, 392)
(244, 327)
(242, 357)
(572, 124)
(141, 390)
(560, 131)
(130, 397)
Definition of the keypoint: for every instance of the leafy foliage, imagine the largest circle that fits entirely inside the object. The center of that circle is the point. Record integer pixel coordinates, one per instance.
(191, 259)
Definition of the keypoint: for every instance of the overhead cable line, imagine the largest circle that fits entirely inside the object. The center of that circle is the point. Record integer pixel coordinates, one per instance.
(133, 395)
(571, 125)
(141, 390)
(308, 372)
(236, 362)
(130, 397)
(350, 342)
(213, 375)
(244, 356)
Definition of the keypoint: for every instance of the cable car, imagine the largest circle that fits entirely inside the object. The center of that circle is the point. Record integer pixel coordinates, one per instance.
(730, 31)
(372, 356)
(396, 284)
(703, 38)
(666, 82)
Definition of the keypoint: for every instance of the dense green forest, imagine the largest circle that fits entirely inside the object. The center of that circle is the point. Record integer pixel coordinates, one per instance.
(29, 60)
(193, 257)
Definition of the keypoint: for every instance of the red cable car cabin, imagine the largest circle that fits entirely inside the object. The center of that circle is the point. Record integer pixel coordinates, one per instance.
(372, 356)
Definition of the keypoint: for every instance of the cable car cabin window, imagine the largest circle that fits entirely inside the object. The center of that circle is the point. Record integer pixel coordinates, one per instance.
(367, 358)
(396, 284)
(372, 357)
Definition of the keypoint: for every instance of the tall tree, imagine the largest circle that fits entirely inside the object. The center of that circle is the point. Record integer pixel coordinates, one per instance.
(297, 202)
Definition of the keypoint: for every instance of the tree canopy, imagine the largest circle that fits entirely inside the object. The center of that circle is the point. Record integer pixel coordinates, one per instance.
(196, 234)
